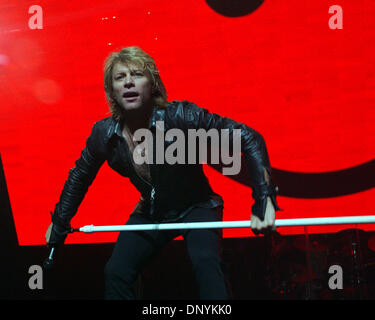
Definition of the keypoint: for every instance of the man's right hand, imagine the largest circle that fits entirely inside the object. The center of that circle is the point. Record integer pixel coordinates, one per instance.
(56, 235)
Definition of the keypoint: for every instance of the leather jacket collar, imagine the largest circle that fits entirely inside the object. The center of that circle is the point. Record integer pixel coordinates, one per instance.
(115, 126)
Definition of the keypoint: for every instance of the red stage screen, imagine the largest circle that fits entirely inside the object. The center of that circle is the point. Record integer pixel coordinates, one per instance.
(288, 69)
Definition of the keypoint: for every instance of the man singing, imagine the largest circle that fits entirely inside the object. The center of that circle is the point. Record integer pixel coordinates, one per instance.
(177, 192)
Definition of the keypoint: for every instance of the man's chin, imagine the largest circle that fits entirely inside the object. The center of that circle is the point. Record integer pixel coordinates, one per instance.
(131, 107)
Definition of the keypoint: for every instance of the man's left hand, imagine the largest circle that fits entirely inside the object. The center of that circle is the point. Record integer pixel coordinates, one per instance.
(268, 224)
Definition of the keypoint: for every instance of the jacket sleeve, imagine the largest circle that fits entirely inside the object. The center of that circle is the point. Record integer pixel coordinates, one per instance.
(253, 148)
(79, 179)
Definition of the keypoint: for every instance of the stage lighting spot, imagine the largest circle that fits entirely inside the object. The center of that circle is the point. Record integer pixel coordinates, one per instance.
(4, 60)
(47, 91)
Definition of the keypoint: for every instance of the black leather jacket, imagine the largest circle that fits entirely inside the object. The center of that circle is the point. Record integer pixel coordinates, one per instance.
(173, 187)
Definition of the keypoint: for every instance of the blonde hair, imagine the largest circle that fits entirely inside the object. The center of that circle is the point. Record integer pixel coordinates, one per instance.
(133, 55)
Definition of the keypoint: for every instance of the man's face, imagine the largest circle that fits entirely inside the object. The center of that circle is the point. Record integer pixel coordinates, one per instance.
(131, 86)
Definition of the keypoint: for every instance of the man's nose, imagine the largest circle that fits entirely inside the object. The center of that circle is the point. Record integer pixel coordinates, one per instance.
(129, 82)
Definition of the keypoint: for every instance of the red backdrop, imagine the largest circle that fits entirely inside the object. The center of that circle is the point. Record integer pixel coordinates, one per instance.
(308, 89)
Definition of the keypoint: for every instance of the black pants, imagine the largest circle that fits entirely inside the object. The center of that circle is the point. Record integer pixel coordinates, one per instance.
(134, 249)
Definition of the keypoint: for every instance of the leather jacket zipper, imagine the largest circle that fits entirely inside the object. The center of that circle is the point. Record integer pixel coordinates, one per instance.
(152, 193)
(152, 200)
